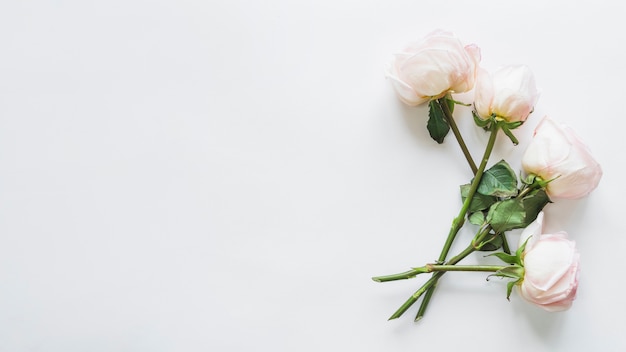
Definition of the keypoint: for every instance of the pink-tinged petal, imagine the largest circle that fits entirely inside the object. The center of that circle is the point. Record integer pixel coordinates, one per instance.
(548, 147)
(548, 260)
(473, 52)
(575, 184)
(483, 93)
(433, 67)
(423, 71)
(511, 94)
(550, 272)
(557, 153)
(466, 79)
(406, 94)
(562, 289)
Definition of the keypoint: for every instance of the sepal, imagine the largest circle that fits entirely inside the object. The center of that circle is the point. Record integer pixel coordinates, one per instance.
(509, 288)
(507, 131)
(484, 124)
(507, 258)
(514, 272)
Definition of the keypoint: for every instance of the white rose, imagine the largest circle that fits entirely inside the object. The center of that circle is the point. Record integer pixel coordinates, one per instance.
(509, 93)
(556, 153)
(550, 268)
(433, 67)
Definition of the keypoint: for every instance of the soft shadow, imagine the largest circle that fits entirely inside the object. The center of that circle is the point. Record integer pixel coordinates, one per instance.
(564, 213)
(547, 326)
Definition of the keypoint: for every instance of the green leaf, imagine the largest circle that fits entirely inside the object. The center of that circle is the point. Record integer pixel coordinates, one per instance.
(507, 215)
(529, 180)
(517, 213)
(479, 201)
(477, 218)
(533, 203)
(491, 245)
(499, 180)
(437, 125)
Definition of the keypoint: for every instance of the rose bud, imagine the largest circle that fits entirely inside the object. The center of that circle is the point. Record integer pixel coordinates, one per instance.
(550, 268)
(556, 154)
(509, 93)
(433, 67)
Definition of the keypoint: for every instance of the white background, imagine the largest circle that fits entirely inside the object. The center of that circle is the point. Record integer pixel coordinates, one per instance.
(227, 176)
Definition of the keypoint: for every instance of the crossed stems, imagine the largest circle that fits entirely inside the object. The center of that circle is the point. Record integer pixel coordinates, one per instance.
(478, 241)
(457, 222)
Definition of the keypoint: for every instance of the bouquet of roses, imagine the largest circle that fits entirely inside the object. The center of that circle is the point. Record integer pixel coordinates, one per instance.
(556, 165)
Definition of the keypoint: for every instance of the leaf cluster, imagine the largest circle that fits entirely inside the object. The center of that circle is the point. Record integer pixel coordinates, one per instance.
(501, 203)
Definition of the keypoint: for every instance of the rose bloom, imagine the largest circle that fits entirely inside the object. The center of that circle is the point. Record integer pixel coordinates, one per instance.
(431, 68)
(556, 153)
(509, 93)
(550, 268)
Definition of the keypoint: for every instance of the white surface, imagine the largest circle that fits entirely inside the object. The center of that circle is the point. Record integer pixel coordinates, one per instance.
(227, 176)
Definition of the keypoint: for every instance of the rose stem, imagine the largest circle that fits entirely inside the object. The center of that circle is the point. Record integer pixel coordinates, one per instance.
(429, 268)
(457, 223)
(475, 245)
(443, 102)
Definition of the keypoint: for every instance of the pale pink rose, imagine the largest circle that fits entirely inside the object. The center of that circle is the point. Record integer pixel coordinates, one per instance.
(509, 93)
(431, 68)
(550, 269)
(557, 153)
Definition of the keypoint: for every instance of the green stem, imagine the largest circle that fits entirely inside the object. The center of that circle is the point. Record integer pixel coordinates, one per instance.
(444, 267)
(409, 302)
(525, 191)
(401, 276)
(426, 300)
(457, 223)
(443, 102)
(505, 244)
(430, 268)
